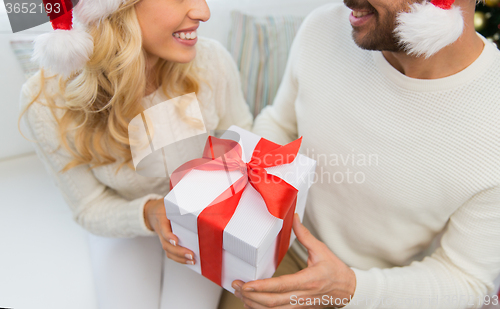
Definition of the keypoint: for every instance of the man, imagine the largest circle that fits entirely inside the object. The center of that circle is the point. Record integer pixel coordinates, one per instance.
(408, 148)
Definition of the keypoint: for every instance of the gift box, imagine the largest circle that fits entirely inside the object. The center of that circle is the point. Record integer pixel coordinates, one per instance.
(234, 207)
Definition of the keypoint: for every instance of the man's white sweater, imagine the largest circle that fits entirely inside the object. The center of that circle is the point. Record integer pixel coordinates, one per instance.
(400, 161)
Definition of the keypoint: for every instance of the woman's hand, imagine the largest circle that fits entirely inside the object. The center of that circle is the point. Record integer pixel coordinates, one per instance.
(157, 221)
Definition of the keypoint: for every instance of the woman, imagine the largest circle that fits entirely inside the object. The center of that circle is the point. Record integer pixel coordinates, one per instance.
(144, 52)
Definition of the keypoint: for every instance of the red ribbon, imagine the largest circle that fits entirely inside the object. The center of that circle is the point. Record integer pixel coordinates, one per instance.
(279, 196)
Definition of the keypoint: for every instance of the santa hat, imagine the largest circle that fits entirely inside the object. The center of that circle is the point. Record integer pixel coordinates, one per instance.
(67, 49)
(429, 27)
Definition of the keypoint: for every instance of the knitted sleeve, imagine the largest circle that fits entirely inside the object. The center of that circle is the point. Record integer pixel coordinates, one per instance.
(95, 206)
(457, 275)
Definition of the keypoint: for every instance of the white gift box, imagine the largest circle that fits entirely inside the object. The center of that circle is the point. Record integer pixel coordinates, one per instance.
(250, 237)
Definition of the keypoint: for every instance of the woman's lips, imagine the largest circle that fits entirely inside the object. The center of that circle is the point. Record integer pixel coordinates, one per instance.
(359, 18)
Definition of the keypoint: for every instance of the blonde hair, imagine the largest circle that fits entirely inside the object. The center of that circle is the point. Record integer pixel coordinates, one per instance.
(101, 100)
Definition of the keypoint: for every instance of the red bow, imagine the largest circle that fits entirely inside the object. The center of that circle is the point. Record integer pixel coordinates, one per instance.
(279, 196)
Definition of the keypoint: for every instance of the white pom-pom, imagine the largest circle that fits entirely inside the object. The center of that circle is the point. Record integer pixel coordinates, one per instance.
(63, 51)
(426, 29)
(89, 11)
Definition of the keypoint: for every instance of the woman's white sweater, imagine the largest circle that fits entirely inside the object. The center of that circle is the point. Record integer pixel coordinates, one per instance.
(111, 204)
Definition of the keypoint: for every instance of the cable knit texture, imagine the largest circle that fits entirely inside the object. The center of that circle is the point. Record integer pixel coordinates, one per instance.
(400, 161)
(111, 204)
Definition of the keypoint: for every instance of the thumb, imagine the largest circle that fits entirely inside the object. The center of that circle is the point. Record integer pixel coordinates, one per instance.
(304, 236)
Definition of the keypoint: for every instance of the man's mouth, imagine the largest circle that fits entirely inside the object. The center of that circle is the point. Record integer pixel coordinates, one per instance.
(359, 17)
(359, 14)
(185, 35)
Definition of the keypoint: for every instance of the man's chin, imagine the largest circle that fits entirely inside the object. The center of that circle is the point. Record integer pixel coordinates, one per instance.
(367, 42)
(360, 41)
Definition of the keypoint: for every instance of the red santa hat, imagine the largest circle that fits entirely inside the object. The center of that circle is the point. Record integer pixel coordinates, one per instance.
(429, 26)
(67, 49)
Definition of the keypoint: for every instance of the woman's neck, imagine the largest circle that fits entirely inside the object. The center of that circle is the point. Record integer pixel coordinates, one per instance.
(151, 82)
(151, 87)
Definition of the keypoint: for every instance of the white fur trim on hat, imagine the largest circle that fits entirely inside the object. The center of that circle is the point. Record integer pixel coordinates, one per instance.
(89, 11)
(67, 51)
(426, 28)
(63, 51)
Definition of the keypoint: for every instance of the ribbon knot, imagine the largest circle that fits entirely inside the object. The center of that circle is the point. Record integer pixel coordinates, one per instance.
(279, 196)
(244, 169)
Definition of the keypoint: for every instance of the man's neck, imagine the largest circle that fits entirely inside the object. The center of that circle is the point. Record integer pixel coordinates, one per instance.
(448, 61)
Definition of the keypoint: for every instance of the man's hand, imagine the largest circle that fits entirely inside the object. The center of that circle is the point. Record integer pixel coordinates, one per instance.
(325, 275)
(156, 220)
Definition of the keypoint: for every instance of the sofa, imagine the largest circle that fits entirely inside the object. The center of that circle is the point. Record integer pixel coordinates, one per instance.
(45, 260)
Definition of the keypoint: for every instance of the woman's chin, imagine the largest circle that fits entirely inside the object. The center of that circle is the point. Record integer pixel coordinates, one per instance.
(181, 56)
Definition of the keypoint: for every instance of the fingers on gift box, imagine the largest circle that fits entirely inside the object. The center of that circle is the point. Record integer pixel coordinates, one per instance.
(234, 207)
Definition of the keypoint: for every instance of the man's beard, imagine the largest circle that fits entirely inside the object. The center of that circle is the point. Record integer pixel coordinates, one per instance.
(381, 37)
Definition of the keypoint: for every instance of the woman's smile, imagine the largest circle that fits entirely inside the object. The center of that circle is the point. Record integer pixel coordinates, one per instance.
(187, 36)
